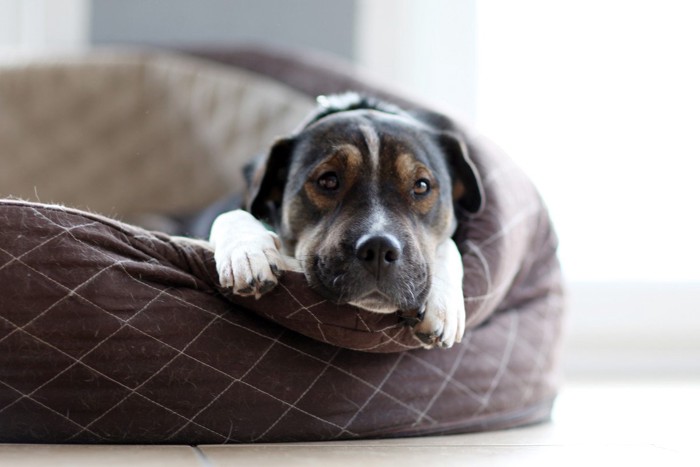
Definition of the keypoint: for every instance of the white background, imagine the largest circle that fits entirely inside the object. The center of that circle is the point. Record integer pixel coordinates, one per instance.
(600, 102)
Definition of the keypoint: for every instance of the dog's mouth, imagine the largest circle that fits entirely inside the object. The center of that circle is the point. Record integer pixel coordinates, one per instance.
(340, 281)
(375, 301)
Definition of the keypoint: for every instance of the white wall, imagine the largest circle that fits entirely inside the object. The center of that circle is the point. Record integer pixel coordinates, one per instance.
(600, 102)
(633, 330)
(424, 47)
(44, 24)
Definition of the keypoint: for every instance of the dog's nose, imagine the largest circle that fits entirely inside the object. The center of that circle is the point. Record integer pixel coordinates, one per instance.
(378, 252)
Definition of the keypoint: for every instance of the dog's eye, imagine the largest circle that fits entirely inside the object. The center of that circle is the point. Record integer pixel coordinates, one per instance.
(421, 187)
(328, 181)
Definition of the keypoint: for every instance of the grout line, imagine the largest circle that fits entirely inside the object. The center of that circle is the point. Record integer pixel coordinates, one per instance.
(202, 457)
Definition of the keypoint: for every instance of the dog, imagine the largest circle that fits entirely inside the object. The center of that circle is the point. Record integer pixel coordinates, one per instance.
(362, 199)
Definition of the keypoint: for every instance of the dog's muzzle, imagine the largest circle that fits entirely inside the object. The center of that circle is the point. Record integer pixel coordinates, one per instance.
(377, 272)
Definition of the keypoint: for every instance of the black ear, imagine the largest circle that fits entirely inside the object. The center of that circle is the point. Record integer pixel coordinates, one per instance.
(467, 189)
(267, 181)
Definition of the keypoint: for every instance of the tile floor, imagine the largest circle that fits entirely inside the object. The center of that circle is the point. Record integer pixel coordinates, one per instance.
(595, 424)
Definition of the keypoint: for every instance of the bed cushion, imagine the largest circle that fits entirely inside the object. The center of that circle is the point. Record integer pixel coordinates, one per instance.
(113, 333)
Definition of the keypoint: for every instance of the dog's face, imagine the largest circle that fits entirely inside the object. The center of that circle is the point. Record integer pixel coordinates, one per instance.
(363, 197)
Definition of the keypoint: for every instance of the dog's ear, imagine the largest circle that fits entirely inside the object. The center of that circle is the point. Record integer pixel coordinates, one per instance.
(467, 189)
(266, 181)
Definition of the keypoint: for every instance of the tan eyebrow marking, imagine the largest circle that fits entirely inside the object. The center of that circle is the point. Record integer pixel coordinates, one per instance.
(346, 161)
(409, 170)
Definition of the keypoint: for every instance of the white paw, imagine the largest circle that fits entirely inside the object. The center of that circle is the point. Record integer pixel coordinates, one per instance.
(443, 321)
(247, 255)
(444, 315)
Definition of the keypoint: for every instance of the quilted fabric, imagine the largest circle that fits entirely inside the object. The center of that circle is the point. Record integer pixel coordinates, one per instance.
(112, 333)
(75, 130)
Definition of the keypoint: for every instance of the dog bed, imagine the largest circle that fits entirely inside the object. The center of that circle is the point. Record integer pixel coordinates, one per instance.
(111, 333)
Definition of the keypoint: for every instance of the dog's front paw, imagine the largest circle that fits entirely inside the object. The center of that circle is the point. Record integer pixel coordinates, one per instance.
(442, 323)
(443, 316)
(247, 255)
(248, 266)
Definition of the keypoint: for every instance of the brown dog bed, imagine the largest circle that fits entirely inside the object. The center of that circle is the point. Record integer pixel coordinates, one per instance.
(112, 333)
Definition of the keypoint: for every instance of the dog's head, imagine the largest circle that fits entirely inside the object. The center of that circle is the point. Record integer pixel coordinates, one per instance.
(363, 194)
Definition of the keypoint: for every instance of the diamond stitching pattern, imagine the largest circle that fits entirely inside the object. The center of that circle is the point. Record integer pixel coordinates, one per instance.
(425, 412)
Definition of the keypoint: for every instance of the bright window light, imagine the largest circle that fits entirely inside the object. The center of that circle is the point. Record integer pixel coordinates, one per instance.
(40, 25)
(599, 102)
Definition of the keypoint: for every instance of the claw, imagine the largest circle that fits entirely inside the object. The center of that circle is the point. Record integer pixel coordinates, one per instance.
(428, 340)
(412, 318)
(266, 286)
(421, 314)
